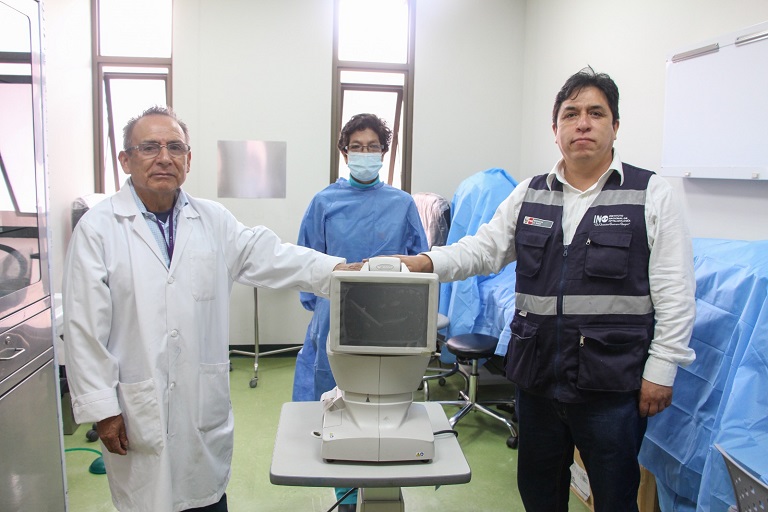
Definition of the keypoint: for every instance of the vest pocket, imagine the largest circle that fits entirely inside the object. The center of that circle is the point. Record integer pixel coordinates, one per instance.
(607, 255)
(612, 357)
(521, 363)
(530, 251)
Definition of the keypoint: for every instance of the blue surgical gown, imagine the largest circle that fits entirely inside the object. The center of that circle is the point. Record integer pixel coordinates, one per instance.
(474, 204)
(353, 223)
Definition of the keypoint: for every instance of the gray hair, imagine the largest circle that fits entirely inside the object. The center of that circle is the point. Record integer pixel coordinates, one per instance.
(156, 110)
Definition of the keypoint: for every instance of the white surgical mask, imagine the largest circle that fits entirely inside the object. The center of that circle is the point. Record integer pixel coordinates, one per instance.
(364, 166)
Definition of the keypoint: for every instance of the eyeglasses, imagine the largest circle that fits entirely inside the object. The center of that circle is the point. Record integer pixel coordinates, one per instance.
(152, 149)
(359, 148)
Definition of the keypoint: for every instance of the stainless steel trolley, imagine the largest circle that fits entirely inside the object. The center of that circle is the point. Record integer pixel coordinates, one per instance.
(256, 354)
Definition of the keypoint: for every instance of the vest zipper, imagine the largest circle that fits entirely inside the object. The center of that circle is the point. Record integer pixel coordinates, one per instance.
(560, 322)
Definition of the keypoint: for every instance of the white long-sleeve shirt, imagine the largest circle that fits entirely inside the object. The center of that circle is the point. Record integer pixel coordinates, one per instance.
(670, 267)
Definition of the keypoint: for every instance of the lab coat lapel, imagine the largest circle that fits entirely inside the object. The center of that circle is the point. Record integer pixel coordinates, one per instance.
(125, 206)
(187, 217)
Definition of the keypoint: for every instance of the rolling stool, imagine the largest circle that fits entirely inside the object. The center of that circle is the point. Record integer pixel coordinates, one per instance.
(468, 349)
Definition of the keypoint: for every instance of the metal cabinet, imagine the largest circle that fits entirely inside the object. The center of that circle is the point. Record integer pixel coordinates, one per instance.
(31, 472)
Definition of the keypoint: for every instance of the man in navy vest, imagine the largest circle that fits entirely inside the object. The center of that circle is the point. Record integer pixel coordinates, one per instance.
(604, 302)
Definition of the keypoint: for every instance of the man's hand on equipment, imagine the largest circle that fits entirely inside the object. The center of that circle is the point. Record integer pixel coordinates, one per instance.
(348, 266)
(418, 263)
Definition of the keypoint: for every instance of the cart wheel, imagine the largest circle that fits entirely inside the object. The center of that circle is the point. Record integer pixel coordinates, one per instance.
(441, 381)
(254, 382)
(512, 442)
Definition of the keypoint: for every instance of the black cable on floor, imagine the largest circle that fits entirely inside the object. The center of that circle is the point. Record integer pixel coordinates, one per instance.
(338, 502)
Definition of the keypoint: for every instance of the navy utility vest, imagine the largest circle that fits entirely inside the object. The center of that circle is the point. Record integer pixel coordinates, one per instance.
(583, 313)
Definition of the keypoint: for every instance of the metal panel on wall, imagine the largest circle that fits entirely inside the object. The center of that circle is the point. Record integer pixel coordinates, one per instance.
(251, 169)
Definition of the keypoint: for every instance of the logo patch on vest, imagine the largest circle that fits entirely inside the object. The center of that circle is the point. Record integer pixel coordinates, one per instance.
(533, 221)
(611, 220)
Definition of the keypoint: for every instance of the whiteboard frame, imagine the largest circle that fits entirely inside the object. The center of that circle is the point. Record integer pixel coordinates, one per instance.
(715, 108)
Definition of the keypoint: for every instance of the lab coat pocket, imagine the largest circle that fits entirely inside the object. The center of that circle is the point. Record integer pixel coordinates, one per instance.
(607, 255)
(214, 396)
(141, 413)
(530, 251)
(521, 363)
(202, 266)
(612, 357)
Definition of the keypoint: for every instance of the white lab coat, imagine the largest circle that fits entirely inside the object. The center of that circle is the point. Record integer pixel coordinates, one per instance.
(152, 343)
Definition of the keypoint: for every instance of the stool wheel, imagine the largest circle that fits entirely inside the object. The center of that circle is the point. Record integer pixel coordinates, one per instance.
(512, 442)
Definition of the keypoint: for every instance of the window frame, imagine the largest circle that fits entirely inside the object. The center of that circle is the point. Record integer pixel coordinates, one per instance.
(100, 101)
(406, 106)
(396, 89)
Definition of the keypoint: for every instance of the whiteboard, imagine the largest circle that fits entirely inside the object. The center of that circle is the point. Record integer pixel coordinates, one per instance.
(716, 108)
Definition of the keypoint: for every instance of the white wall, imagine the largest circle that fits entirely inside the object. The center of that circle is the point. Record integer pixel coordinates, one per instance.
(282, 81)
(486, 76)
(630, 41)
(467, 91)
(69, 115)
(258, 70)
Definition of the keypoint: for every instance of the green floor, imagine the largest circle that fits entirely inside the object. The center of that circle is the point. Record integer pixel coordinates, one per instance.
(493, 465)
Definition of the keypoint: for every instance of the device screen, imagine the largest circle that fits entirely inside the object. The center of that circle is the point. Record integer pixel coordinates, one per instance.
(383, 314)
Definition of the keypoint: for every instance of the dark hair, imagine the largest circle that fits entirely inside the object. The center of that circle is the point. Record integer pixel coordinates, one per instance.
(152, 111)
(588, 78)
(361, 122)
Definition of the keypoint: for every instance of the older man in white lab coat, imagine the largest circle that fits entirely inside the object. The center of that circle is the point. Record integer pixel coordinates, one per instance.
(147, 286)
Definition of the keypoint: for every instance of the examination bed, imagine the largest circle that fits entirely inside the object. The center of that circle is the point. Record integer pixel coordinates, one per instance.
(723, 396)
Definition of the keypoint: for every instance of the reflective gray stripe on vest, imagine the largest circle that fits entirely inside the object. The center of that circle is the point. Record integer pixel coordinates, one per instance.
(607, 305)
(547, 197)
(614, 197)
(535, 304)
(585, 304)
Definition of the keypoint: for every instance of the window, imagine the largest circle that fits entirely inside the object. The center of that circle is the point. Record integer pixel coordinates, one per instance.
(373, 73)
(132, 71)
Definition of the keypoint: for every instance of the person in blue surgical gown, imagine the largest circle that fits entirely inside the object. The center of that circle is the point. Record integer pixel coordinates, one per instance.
(357, 219)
